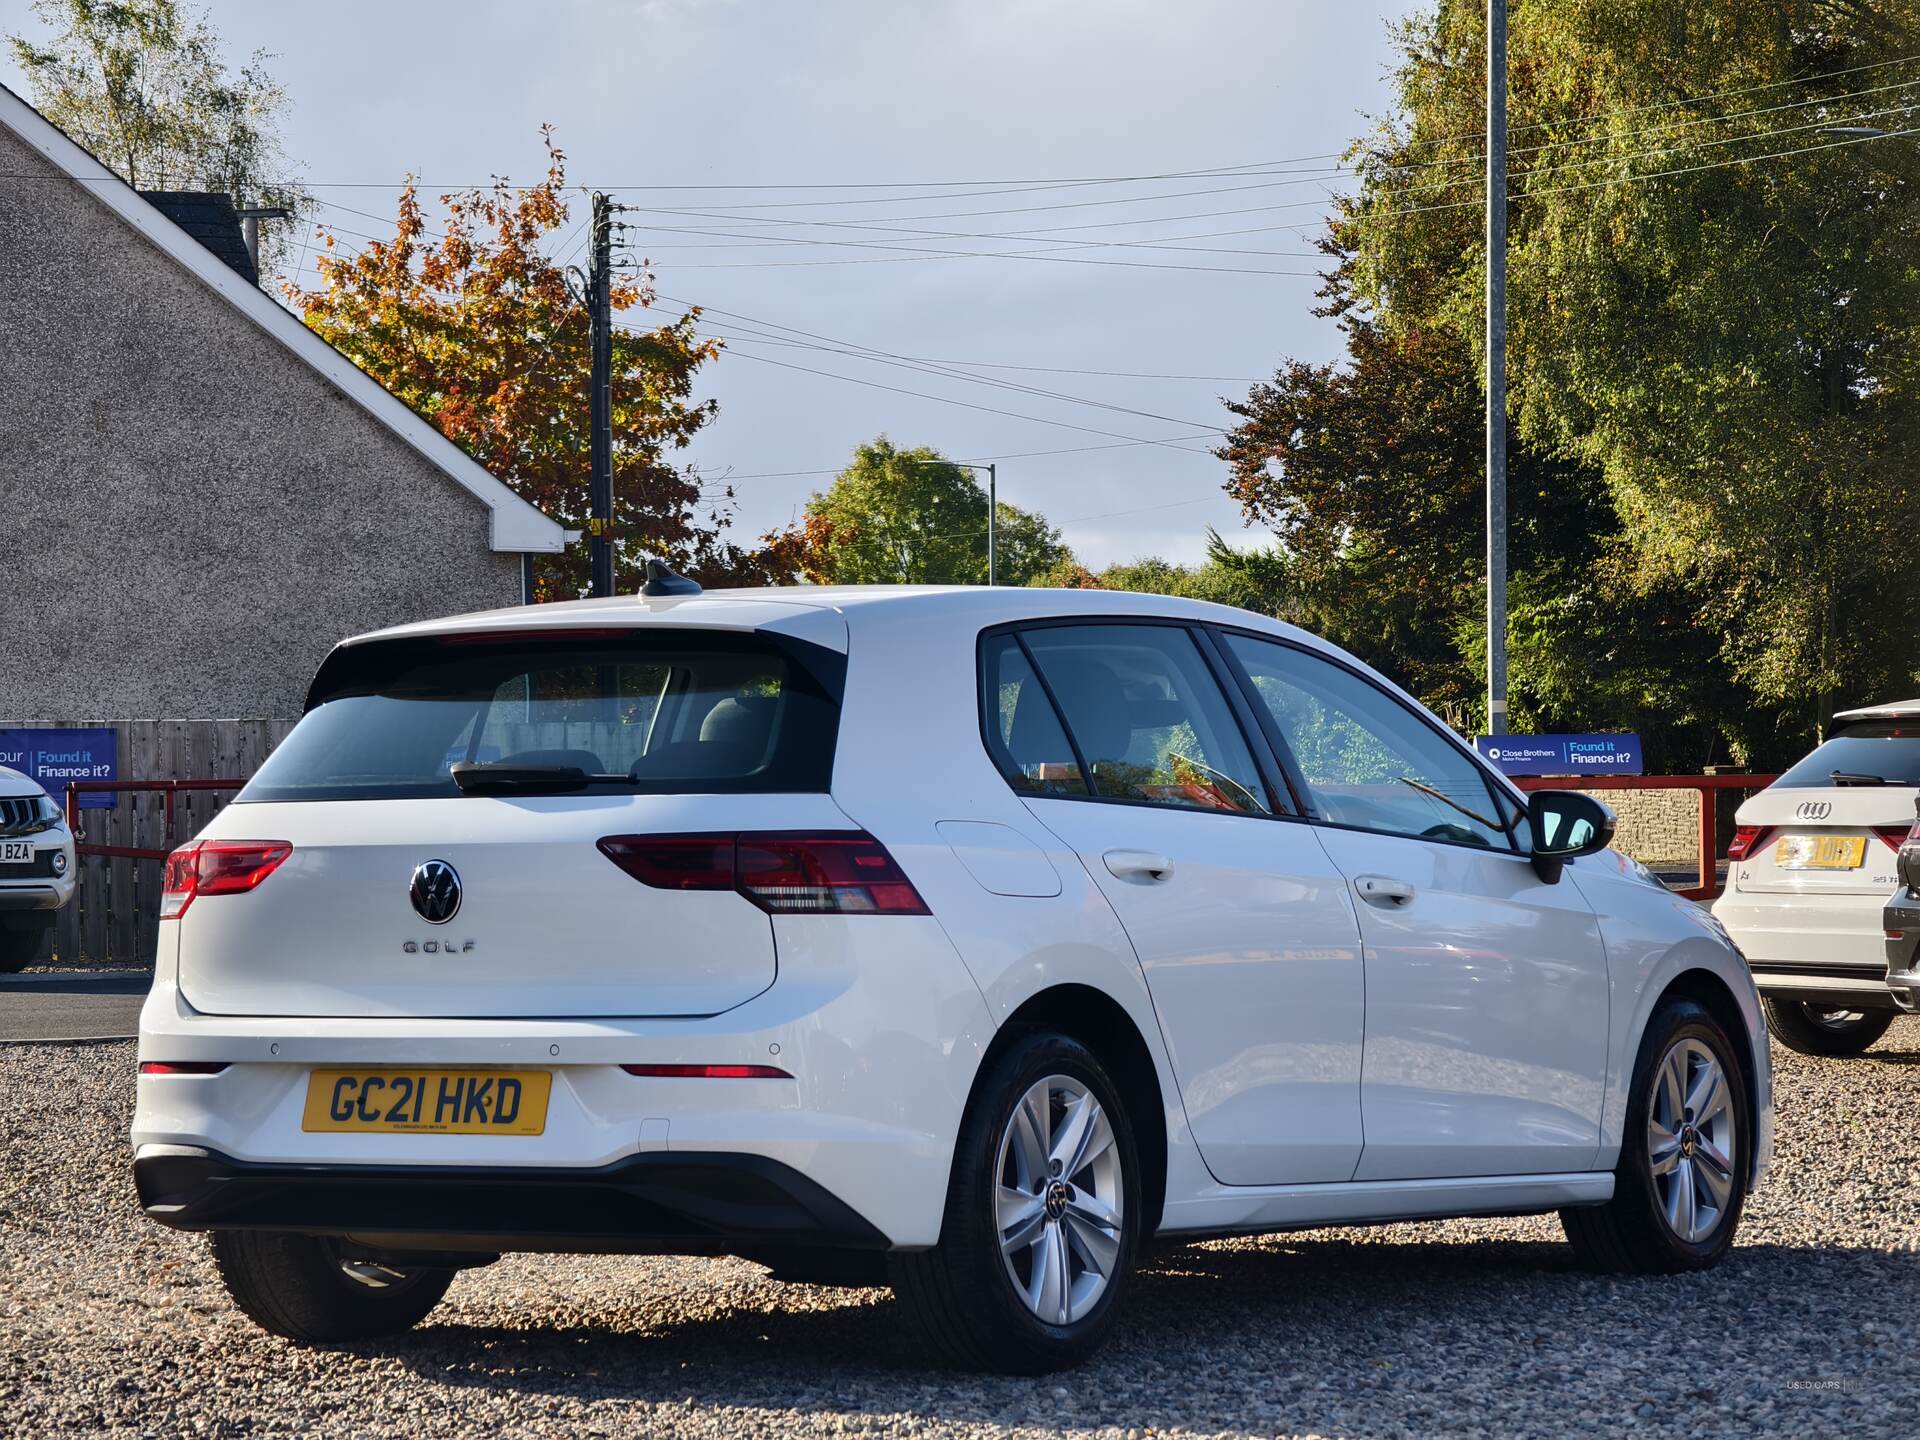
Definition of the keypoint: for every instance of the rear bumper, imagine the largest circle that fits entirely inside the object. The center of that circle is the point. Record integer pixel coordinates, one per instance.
(878, 1025)
(701, 1203)
(1817, 949)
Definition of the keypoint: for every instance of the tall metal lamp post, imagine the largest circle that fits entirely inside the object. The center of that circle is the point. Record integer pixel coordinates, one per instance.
(993, 510)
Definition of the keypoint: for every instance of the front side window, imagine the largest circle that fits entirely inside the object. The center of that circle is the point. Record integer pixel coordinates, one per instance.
(1367, 760)
(1148, 717)
(656, 713)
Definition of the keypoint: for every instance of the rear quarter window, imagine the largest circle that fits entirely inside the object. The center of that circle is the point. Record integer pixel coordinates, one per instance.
(653, 711)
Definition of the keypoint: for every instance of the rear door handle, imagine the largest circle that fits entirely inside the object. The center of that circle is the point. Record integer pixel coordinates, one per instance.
(1137, 865)
(1383, 890)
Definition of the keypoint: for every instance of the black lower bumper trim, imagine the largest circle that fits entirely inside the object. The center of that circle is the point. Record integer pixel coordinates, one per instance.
(656, 1202)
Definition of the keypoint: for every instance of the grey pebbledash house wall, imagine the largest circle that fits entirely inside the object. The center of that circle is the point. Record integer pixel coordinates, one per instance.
(192, 512)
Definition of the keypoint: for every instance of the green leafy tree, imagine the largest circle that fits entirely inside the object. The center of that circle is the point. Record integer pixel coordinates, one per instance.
(478, 330)
(143, 85)
(913, 517)
(1724, 332)
(1370, 473)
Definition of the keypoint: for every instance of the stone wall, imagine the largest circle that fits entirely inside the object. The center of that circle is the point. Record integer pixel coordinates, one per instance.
(1659, 828)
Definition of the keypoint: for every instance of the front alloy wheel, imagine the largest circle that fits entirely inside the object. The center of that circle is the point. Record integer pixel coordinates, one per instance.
(1042, 1218)
(1692, 1143)
(1683, 1171)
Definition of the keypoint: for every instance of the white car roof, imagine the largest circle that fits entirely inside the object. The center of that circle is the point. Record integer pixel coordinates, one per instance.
(779, 607)
(1892, 710)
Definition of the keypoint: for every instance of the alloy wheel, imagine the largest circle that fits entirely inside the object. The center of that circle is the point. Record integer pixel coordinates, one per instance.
(1835, 1019)
(1059, 1199)
(1691, 1140)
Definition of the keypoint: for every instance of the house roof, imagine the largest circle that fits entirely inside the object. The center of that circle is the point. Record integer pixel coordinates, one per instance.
(514, 525)
(209, 217)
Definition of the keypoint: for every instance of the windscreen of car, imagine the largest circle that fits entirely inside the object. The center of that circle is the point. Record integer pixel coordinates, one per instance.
(1867, 752)
(650, 712)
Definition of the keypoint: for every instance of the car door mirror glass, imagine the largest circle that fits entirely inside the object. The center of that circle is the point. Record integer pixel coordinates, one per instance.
(1567, 824)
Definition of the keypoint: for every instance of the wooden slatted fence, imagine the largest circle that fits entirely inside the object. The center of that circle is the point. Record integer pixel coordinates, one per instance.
(115, 907)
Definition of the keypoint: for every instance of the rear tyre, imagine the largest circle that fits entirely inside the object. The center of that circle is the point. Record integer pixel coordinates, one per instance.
(1684, 1157)
(304, 1288)
(1042, 1221)
(1824, 1029)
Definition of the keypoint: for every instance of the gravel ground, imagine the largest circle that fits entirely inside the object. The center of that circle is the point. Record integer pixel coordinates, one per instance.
(109, 1323)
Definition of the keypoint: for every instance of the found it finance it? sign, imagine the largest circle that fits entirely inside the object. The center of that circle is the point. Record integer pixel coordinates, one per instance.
(1561, 754)
(52, 757)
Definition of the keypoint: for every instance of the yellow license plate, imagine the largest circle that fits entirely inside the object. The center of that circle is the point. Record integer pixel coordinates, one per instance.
(1820, 852)
(396, 1101)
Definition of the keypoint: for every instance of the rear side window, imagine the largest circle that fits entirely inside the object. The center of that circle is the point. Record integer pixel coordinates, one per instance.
(1023, 729)
(1869, 752)
(1148, 716)
(652, 712)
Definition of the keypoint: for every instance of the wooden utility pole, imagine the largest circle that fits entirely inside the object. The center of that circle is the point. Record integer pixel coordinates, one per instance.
(600, 408)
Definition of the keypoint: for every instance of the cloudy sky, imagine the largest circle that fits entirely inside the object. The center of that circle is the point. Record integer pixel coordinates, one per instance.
(955, 121)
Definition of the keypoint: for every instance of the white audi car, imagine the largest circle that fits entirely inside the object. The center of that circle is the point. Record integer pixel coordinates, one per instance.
(958, 939)
(1811, 869)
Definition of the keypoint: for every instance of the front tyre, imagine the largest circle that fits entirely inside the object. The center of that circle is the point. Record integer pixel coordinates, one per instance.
(1824, 1029)
(1042, 1221)
(305, 1288)
(1682, 1177)
(21, 947)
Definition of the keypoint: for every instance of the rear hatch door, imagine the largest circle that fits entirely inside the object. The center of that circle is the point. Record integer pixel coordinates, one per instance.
(677, 731)
(1830, 840)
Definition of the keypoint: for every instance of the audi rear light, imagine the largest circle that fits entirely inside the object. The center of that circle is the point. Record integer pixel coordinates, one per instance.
(709, 1072)
(1746, 839)
(1898, 835)
(835, 873)
(217, 867)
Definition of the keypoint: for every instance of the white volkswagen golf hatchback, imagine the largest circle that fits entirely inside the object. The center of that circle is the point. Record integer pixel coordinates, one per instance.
(964, 940)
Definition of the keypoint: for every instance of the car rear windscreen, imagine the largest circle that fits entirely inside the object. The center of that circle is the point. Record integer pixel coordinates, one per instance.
(651, 711)
(1868, 752)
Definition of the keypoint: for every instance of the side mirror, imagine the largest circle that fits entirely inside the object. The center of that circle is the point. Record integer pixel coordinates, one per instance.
(1566, 825)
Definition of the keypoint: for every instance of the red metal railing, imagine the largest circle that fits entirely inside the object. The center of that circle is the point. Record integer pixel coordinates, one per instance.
(1709, 787)
(169, 788)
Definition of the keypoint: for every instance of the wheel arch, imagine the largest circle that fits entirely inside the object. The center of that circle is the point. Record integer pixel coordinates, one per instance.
(1099, 1022)
(1716, 997)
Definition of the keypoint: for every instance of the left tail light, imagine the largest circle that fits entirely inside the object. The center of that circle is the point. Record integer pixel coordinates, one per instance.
(833, 873)
(217, 867)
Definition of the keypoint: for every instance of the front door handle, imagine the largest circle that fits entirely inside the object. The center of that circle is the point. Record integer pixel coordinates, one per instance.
(1138, 865)
(1383, 890)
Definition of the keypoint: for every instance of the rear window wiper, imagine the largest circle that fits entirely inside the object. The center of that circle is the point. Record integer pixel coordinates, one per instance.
(1848, 777)
(476, 777)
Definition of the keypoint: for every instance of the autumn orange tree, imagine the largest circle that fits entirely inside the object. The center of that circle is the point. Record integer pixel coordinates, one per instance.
(478, 329)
